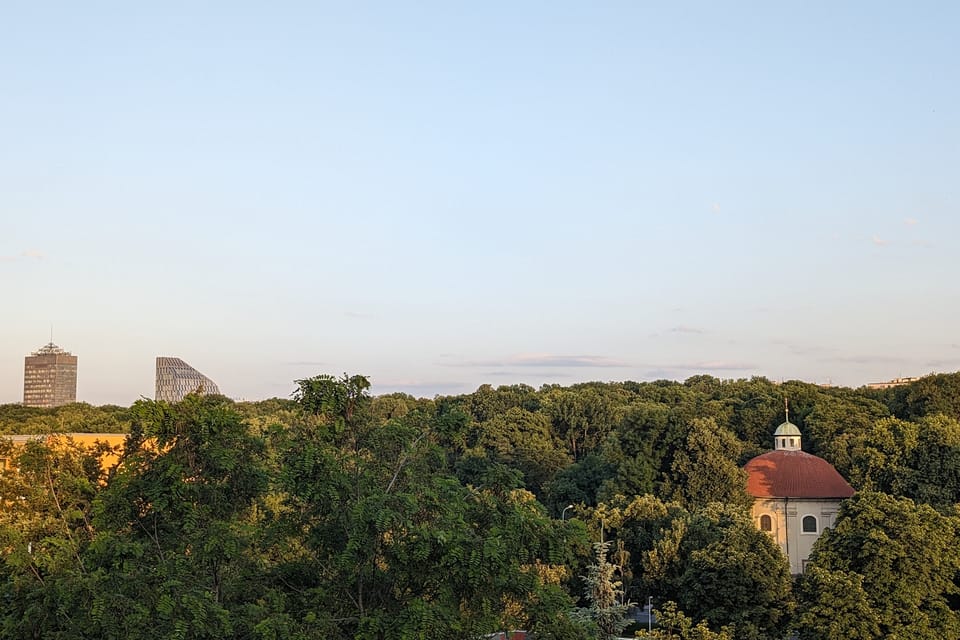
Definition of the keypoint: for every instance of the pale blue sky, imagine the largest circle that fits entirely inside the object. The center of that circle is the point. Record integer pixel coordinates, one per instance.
(439, 195)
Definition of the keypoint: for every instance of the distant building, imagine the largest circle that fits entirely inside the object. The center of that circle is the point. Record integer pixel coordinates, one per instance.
(796, 495)
(896, 382)
(86, 440)
(49, 377)
(175, 379)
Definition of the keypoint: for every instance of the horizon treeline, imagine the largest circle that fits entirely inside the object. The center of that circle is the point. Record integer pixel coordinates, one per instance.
(336, 514)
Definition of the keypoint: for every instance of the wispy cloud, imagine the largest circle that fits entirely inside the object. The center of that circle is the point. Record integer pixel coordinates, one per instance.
(715, 207)
(910, 221)
(943, 363)
(720, 365)
(357, 314)
(706, 365)
(679, 329)
(800, 349)
(29, 254)
(866, 359)
(506, 373)
(880, 242)
(685, 329)
(421, 388)
(565, 361)
(306, 363)
(545, 360)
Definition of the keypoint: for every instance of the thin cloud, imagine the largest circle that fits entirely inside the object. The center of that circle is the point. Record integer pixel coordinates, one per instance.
(586, 361)
(685, 329)
(29, 254)
(306, 363)
(944, 363)
(707, 365)
(528, 374)
(866, 359)
(679, 329)
(659, 374)
(715, 207)
(805, 349)
(724, 365)
(880, 242)
(566, 361)
(910, 221)
(421, 388)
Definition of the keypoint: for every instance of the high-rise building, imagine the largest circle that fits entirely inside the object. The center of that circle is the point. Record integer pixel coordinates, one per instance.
(175, 379)
(49, 377)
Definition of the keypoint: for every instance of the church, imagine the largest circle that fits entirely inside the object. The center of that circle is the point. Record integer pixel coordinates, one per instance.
(796, 495)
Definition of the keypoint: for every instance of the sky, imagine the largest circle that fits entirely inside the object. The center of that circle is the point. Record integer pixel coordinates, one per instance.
(439, 195)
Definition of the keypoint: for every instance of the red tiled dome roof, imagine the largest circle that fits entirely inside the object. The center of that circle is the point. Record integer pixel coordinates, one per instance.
(794, 474)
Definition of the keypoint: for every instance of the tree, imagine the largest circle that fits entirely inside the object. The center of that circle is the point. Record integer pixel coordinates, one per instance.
(637, 449)
(931, 469)
(927, 396)
(578, 483)
(522, 440)
(740, 578)
(906, 558)
(581, 416)
(706, 471)
(46, 527)
(713, 562)
(606, 609)
(673, 624)
(367, 504)
(171, 530)
(834, 604)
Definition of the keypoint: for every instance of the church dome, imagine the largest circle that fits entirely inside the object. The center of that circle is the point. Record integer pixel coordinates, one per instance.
(787, 429)
(794, 474)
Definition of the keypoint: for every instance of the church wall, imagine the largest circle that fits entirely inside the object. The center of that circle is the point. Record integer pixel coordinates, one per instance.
(787, 517)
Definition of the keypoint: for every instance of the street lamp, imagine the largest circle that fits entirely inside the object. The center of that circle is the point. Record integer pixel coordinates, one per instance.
(563, 514)
(649, 614)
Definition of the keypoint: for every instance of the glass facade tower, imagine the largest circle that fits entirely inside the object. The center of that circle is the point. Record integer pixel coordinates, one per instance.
(175, 379)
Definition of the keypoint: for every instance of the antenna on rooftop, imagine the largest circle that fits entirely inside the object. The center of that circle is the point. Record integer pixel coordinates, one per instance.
(786, 408)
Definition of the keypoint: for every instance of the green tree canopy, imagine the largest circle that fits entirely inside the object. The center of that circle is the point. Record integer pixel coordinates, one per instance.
(906, 558)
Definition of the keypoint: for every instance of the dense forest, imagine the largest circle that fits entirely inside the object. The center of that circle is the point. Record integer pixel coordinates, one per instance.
(337, 514)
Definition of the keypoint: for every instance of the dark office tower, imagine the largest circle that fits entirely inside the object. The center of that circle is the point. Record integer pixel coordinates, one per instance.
(175, 379)
(49, 377)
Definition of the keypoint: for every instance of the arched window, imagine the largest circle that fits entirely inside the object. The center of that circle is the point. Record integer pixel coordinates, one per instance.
(809, 524)
(766, 523)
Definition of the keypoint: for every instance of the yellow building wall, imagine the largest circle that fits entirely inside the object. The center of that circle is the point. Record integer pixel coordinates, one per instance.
(82, 439)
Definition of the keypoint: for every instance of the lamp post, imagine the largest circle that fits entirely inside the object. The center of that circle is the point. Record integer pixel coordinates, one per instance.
(649, 614)
(563, 514)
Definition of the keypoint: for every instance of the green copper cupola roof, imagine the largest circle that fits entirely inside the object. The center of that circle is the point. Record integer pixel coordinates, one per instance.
(787, 429)
(787, 435)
